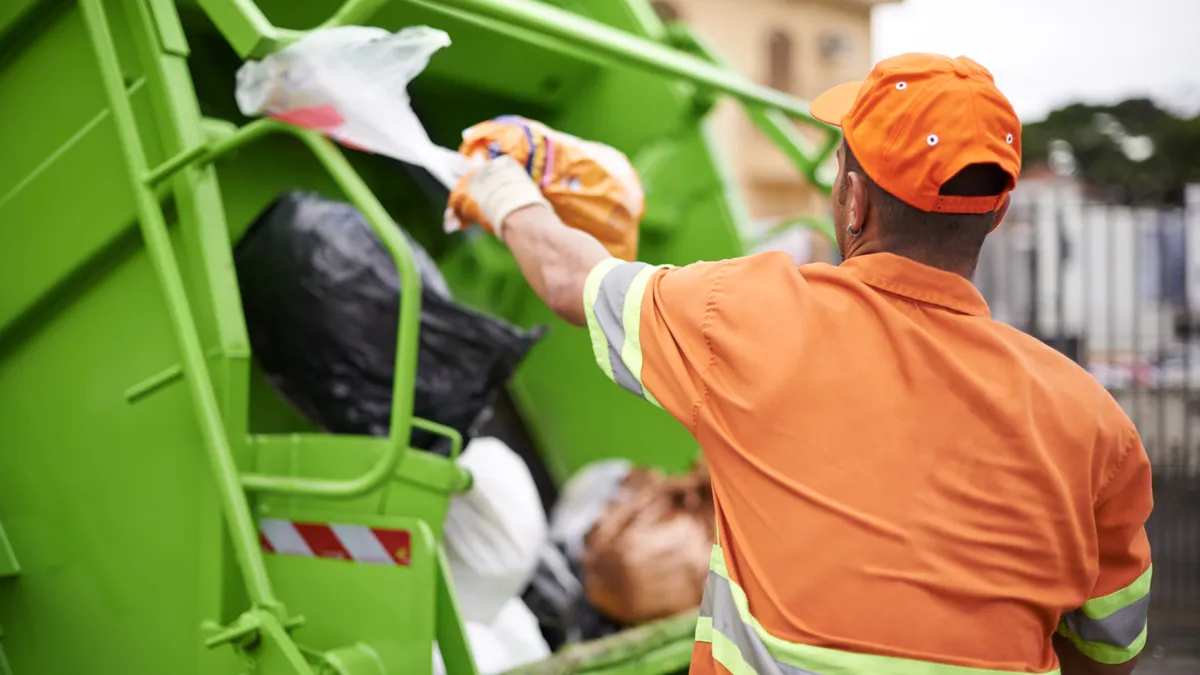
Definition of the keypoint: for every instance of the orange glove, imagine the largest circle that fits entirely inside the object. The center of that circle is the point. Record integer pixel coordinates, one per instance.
(591, 186)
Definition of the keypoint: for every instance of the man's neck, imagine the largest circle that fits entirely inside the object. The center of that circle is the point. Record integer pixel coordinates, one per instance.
(965, 268)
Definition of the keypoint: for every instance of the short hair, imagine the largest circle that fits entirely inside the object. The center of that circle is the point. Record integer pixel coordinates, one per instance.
(938, 239)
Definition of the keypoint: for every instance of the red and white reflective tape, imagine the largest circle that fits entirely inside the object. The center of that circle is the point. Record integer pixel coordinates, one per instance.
(357, 543)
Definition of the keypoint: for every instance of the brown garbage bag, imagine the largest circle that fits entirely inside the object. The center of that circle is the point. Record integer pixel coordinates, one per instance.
(647, 556)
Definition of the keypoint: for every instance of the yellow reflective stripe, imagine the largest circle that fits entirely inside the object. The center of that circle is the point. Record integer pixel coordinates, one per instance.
(1098, 608)
(726, 653)
(631, 320)
(831, 661)
(591, 291)
(1104, 653)
(716, 562)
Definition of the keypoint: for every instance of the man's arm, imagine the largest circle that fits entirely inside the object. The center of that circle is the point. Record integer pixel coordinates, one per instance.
(1106, 635)
(646, 323)
(555, 259)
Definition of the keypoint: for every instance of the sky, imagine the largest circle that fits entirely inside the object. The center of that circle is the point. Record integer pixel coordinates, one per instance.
(1047, 53)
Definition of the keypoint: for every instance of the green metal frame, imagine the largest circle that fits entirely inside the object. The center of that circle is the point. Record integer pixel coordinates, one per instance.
(822, 226)
(402, 421)
(4, 667)
(267, 622)
(9, 566)
(772, 123)
(251, 34)
(779, 129)
(194, 370)
(772, 111)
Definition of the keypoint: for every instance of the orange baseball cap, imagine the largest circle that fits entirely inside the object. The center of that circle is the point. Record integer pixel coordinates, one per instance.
(918, 120)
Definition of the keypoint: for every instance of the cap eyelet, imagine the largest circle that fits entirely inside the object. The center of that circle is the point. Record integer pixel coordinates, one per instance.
(932, 140)
(901, 86)
(1008, 139)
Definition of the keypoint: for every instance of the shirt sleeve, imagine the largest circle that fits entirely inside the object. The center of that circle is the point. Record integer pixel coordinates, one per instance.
(647, 329)
(1111, 626)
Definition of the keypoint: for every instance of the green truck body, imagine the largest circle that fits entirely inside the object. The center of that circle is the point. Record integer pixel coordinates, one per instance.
(142, 447)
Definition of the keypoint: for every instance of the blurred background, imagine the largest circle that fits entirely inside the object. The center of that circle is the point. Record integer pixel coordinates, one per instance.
(1100, 255)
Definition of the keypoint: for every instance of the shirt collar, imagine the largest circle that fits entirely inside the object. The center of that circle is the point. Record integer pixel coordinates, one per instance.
(912, 280)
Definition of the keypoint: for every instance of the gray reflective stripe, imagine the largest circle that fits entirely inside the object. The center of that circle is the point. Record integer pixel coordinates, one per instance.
(609, 310)
(718, 602)
(1119, 629)
(707, 600)
(744, 648)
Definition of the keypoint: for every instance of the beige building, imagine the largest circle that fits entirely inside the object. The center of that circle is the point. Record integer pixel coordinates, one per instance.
(801, 47)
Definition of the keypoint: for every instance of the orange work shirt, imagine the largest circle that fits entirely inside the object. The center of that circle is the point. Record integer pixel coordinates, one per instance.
(896, 474)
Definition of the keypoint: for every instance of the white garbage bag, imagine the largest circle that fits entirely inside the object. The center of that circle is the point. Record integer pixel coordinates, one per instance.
(511, 641)
(582, 500)
(350, 83)
(490, 654)
(518, 629)
(494, 532)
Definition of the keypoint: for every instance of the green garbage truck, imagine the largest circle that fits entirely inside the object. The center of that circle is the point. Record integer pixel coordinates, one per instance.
(143, 449)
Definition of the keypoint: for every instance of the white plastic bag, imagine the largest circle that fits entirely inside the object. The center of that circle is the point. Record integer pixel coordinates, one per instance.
(490, 654)
(494, 532)
(350, 83)
(518, 629)
(511, 641)
(583, 499)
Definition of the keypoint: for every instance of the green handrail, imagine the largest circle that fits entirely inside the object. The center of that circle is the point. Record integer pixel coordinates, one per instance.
(772, 123)
(195, 369)
(252, 35)
(353, 12)
(226, 139)
(356, 191)
(822, 226)
(629, 49)
(246, 28)
(777, 127)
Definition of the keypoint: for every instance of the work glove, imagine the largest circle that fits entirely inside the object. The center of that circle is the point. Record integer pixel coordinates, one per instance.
(591, 186)
(488, 195)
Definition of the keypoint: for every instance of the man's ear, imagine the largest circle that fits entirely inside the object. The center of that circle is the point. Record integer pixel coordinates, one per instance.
(1000, 213)
(856, 210)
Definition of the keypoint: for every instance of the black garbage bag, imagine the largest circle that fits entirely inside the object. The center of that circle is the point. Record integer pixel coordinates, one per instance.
(322, 300)
(556, 597)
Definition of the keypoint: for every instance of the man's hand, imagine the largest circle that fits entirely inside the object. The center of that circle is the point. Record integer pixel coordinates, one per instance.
(554, 258)
(486, 196)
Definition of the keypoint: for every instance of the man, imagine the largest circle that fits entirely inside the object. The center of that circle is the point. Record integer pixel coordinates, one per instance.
(903, 485)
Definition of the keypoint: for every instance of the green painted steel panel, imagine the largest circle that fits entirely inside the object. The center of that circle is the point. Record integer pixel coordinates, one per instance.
(141, 445)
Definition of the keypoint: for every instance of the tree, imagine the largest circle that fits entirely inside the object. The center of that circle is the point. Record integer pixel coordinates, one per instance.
(1134, 151)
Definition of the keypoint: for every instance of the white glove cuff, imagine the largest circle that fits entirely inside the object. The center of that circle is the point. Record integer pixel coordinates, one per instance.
(500, 187)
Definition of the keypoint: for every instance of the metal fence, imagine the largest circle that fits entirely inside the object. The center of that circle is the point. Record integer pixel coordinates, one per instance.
(1118, 289)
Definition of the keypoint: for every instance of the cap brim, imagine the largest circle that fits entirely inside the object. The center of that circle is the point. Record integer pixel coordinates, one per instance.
(831, 106)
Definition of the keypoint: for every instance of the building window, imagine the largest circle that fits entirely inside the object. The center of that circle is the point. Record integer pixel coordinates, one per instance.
(779, 61)
(665, 10)
(834, 47)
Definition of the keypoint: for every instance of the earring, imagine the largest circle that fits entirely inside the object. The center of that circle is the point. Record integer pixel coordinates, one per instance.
(853, 232)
